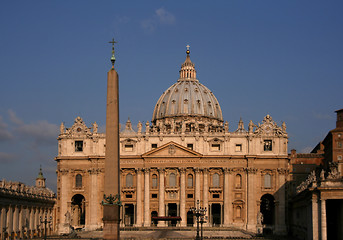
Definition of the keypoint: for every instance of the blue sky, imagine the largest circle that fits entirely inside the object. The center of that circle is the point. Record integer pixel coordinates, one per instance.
(282, 58)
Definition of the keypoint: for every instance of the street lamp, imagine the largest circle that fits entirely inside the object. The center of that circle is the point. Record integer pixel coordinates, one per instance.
(199, 213)
(45, 221)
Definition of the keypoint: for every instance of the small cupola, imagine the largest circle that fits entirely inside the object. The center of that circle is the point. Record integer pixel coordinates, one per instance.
(40, 180)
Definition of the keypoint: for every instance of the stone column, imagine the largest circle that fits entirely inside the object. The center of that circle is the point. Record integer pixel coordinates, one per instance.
(3, 220)
(315, 217)
(251, 203)
(94, 201)
(323, 218)
(183, 212)
(197, 186)
(281, 221)
(10, 220)
(147, 220)
(16, 220)
(32, 219)
(227, 199)
(205, 193)
(139, 198)
(161, 209)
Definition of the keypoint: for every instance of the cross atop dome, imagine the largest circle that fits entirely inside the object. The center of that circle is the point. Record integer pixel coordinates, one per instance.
(187, 49)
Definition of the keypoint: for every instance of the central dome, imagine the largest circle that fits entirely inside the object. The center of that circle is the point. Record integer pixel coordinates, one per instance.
(188, 98)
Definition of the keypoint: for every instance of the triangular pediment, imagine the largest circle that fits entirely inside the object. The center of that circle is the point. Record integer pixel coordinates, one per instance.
(172, 150)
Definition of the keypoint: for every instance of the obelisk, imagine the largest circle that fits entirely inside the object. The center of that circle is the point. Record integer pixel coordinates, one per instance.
(111, 202)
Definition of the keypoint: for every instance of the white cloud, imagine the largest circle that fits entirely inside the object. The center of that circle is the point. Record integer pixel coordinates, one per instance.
(164, 16)
(161, 17)
(41, 131)
(5, 134)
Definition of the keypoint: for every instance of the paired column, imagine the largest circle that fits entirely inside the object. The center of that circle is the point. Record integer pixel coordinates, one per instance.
(183, 213)
(227, 209)
(205, 193)
(197, 186)
(315, 218)
(323, 218)
(10, 220)
(251, 213)
(139, 198)
(146, 197)
(161, 204)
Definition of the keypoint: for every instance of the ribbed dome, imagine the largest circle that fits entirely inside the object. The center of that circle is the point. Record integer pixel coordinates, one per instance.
(187, 98)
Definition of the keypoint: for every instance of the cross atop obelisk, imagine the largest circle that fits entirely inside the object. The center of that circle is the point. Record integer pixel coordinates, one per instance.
(113, 59)
(111, 202)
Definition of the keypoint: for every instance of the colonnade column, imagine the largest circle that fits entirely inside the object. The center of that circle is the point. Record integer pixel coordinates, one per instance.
(16, 220)
(161, 206)
(205, 193)
(10, 220)
(147, 219)
(139, 198)
(3, 219)
(323, 218)
(183, 214)
(227, 212)
(315, 218)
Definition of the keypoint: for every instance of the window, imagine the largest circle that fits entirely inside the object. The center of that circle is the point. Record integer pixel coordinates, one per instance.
(339, 144)
(154, 195)
(215, 180)
(238, 212)
(154, 181)
(128, 195)
(78, 181)
(215, 196)
(238, 181)
(78, 146)
(128, 147)
(189, 195)
(190, 181)
(267, 181)
(129, 180)
(267, 145)
(339, 158)
(215, 147)
(190, 146)
(172, 180)
(238, 147)
(154, 145)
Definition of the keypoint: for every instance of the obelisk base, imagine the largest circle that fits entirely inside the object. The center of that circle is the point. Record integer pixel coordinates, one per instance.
(111, 222)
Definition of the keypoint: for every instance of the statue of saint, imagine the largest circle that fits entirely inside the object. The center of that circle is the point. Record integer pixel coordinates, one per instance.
(139, 127)
(95, 127)
(62, 128)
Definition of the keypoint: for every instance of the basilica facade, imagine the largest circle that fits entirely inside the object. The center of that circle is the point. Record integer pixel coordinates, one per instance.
(186, 155)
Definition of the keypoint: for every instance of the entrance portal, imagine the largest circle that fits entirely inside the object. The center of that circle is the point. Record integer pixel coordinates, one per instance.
(129, 214)
(154, 214)
(334, 216)
(78, 210)
(190, 218)
(268, 212)
(216, 214)
(172, 212)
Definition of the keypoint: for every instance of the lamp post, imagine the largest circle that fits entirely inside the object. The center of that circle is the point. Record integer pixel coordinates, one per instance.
(199, 213)
(45, 221)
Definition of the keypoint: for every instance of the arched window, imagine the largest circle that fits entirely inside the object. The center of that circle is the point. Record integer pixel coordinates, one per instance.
(78, 181)
(154, 181)
(238, 181)
(190, 181)
(238, 212)
(215, 180)
(267, 181)
(129, 180)
(172, 180)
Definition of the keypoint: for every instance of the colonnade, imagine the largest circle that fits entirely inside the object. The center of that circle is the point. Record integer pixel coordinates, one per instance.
(22, 221)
